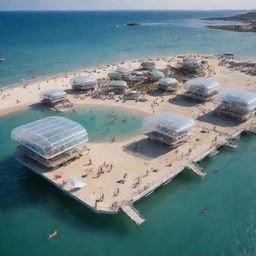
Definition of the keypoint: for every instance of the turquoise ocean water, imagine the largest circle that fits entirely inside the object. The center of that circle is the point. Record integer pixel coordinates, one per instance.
(30, 208)
(42, 43)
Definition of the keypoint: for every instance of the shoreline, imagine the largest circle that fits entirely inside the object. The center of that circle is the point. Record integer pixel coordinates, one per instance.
(27, 93)
(42, 78)
(139, 165)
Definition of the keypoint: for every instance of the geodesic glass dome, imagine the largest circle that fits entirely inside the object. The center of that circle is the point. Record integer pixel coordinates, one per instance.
(168, 123)
(50, 136)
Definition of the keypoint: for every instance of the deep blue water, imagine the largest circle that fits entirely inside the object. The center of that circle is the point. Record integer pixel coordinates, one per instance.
(40, 43)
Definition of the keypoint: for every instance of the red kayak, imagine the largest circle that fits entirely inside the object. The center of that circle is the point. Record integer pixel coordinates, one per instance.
(53, 234)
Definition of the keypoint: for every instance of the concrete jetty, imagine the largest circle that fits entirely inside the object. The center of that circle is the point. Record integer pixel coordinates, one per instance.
(196, 169)
(132, 213)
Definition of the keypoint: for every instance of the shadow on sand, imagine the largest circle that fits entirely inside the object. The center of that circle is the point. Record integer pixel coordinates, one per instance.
(146, 149)
(179, 100)
(212, 118)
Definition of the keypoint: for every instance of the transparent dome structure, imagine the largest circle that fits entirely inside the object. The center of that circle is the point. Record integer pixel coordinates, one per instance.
(156, 75)
(83, 82)
(238, 98)
(168, 81)
(205, 85)
(53, 94)
(192, 61)
(123, 70)
(51, 136)
(118, 84)
(115, 75)
(168, 123)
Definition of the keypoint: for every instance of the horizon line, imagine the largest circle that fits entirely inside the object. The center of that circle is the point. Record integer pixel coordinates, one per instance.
(166, 10)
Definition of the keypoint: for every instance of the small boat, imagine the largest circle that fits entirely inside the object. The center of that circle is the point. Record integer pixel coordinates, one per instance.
(2, 59)
(132, 23)
(53, 234)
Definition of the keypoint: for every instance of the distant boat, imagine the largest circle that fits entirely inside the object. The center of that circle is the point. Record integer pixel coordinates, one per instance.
(2, 59)
(132, 23)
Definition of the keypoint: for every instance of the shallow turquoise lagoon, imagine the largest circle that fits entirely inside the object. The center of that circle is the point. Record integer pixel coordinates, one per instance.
(31, 208)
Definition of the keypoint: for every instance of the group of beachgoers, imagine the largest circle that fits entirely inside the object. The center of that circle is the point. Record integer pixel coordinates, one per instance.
(107, 168)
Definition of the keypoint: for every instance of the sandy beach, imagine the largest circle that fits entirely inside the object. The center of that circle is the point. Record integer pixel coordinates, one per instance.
(23, 95)
(123, 172)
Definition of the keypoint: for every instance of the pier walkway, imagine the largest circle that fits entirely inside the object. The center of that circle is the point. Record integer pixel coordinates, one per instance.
(196, 169)
(132, 213)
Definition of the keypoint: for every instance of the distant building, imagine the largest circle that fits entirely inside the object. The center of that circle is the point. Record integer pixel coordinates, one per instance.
(121, 73)
(49, 142)
(168, 128)
(118, 86)
(156, 75)
(56, 99)
(83, 83)
(192, 61)
(237, 104)
(201, 89)
(191, 66)
(168, 84)
(147, 64)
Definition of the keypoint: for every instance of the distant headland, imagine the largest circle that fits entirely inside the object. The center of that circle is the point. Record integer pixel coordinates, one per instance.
(249, 20)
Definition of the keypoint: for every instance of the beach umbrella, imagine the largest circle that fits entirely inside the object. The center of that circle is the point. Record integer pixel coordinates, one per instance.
(76, 183)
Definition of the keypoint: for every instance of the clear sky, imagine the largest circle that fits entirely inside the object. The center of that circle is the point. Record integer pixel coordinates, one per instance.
(125, 4)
